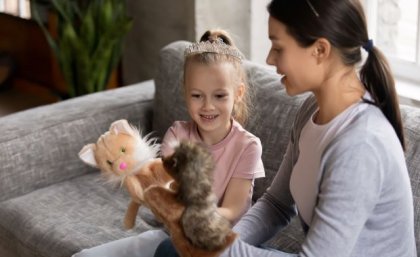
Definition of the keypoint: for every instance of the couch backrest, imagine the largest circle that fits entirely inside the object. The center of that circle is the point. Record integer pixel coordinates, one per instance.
(411, 120)
(274, 112)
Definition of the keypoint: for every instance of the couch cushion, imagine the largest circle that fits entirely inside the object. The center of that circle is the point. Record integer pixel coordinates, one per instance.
(64, 218)
(271, 119)
(411, 122)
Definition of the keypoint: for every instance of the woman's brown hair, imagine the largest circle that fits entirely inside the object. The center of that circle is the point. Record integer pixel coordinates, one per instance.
(343, 23)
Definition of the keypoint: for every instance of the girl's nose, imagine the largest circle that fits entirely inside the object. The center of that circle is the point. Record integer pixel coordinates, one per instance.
(123, 166)
(208, 104)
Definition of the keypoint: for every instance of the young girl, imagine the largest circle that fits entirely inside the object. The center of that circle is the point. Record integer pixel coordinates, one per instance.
(217, 98)
(344, 169)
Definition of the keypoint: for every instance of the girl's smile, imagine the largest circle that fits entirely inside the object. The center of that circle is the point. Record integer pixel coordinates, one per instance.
(208, 117)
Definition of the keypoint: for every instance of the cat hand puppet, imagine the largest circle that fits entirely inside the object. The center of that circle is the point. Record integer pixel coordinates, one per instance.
(127, 158)
(190, 213)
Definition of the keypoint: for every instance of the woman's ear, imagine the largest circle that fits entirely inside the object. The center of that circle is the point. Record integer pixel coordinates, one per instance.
(321, 49)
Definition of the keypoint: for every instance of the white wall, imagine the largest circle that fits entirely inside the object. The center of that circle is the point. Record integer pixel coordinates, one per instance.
(231, 15)
(159, 22)
(260, 44)
(156, 24)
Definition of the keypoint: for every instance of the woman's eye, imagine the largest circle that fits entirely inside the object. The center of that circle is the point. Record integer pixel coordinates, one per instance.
(277, 50)
(109, 162)
(123, 150)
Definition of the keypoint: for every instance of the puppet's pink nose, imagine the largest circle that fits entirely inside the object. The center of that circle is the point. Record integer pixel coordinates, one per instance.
(123, 165)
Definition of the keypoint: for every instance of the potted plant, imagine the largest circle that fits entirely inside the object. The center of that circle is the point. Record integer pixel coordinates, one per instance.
(88, 41)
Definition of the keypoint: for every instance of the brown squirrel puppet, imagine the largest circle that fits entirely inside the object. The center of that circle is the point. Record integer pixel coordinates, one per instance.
(190, 213)
(127, 158)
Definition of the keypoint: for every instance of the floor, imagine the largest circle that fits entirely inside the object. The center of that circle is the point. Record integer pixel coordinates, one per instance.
(23, 95)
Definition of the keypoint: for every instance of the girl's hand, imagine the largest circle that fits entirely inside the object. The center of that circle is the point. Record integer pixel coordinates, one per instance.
(236, 199)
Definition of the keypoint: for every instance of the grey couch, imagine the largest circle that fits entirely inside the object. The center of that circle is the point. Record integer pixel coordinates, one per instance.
(51, 204)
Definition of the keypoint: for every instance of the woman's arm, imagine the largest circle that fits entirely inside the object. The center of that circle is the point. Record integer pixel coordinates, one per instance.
(273, 210)
(276, 207)
(236, 199)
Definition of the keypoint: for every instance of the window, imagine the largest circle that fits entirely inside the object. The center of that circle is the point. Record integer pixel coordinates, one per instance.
(19, 8)
(394, 26)
(259, 44)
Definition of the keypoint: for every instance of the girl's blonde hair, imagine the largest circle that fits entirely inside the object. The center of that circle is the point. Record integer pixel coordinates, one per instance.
(216, 46)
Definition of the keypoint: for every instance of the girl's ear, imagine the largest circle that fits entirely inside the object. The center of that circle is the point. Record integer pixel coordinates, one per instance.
(240, 91)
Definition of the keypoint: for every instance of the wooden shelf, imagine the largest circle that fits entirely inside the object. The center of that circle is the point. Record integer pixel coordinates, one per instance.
(37, 79)
(24, 95)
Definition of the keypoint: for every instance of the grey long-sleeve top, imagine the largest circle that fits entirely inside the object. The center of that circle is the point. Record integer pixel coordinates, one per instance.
(364, 205)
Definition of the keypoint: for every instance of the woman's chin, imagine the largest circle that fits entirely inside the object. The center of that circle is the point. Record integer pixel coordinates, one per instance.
(292, 91)
(286, 85)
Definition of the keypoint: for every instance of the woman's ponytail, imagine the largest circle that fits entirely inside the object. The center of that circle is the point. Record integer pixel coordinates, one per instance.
(377, 77)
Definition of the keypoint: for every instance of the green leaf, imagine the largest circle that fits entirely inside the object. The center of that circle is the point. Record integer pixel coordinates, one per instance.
(87, 31)
(62, 6)
(90, 41)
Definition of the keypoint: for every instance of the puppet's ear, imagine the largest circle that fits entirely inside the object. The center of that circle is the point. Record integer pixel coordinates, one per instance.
(121, 126)
(87, 155)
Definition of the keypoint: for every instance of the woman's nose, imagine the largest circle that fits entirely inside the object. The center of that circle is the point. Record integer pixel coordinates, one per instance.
(269, 60)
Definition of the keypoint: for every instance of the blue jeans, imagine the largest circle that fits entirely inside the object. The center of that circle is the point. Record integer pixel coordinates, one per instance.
(142, 245)
(166, 249)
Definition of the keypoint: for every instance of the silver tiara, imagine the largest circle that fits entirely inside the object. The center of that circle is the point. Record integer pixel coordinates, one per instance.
(217, 46)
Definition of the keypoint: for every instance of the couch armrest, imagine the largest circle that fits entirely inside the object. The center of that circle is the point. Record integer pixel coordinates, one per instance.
(39, 146)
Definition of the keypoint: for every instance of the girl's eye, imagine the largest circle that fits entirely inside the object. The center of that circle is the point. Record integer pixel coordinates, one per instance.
(221, 96)
(123, 149)
(195, 95)
(109, 162)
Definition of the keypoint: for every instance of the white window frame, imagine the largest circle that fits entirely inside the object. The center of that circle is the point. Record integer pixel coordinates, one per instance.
(407, 74)
(23, 7)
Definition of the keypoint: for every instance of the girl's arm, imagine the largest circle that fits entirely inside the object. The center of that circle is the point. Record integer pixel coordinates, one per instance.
(236, 199)
(169, 137)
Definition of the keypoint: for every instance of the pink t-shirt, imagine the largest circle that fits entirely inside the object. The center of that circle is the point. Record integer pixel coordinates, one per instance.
(238, 155)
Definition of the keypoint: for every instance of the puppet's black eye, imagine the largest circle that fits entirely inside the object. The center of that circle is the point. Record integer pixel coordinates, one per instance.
(109, 162)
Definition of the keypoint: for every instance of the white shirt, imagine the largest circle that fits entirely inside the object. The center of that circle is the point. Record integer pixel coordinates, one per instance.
(306, 174)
